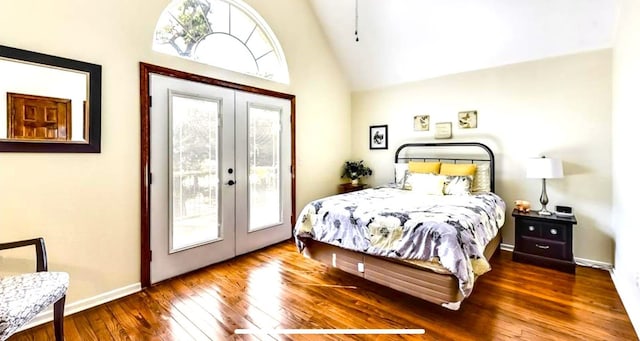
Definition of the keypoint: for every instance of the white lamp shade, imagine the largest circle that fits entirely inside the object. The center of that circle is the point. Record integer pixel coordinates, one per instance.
(544, 168)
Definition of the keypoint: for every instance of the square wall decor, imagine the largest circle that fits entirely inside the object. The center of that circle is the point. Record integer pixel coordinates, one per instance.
(443, 130)
(468, 119)
(421, 122)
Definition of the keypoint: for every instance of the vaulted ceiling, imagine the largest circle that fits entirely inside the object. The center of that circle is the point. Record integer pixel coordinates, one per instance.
(408, 40)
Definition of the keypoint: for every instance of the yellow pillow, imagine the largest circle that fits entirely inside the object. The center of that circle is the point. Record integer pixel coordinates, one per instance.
(424, 167)
(458, 169)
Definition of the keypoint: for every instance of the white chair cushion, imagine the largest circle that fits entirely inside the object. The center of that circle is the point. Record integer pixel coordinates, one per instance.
(22, 297)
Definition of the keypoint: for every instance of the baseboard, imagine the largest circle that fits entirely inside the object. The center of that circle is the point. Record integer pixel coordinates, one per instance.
(72, 308)
(579, 261)
(594, 264)
(630, 298)
(506, 247)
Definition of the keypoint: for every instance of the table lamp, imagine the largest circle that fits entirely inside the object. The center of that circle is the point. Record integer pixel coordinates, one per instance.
(544, 168)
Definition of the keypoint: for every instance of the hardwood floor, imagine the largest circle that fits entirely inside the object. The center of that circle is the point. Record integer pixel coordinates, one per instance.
(278, 288)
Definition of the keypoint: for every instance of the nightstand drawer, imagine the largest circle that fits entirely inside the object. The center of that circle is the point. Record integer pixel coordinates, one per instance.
(554, 232)
(530, 228)
(536, 228)
(544, 248)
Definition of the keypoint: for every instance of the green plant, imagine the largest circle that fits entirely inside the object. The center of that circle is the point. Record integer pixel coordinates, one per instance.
(355, 170)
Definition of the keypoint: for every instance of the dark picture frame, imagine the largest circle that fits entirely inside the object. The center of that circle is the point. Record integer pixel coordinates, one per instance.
(93, 110)
(378, 137)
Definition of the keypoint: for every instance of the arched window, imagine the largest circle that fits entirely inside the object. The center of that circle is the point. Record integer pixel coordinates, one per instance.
(225, 33)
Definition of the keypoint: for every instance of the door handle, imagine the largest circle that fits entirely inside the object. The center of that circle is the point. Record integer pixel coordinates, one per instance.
(231, 182)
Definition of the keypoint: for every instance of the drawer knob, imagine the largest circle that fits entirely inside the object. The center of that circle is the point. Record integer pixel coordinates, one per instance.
(531, 228)
(554, 231)
(544, 247)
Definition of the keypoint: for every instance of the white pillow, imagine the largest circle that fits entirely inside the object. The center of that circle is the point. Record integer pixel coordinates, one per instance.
(424, 183)
(457, 184)
(400, 171)
(482, 180)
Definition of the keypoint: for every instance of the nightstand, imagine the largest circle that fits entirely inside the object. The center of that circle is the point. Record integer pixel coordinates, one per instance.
(544, 240)
(348, 187)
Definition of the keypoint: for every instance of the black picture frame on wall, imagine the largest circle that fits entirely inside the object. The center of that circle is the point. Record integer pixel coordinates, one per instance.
(378, 137)
(92, 106)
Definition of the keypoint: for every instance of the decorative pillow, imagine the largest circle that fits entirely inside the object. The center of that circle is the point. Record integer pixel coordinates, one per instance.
(424, 183)
(458, 169)
(482, 179)
(400, 171)
(406, 180)
(457, 184)
(424, 167)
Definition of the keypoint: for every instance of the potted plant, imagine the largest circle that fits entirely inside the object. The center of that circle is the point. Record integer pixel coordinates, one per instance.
(355, 170)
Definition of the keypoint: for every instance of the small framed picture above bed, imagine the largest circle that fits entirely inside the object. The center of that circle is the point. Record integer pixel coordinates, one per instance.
(421, 122)
(468, 119)
(443, 130)
(378, 137)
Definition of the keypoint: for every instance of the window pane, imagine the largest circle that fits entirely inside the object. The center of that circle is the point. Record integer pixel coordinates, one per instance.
(194, 172)
(258, 44)
(267, 64)
(219, 16)
(265, 206)
(241, 25)
(226, 52)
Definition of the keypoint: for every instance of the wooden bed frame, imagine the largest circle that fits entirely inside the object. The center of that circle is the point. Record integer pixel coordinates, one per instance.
(441, 289)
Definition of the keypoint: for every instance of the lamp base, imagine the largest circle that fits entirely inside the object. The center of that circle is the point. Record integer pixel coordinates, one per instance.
(544, 200)
(544, 212)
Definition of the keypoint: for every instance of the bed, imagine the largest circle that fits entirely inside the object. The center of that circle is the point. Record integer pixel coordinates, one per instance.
(427, 234)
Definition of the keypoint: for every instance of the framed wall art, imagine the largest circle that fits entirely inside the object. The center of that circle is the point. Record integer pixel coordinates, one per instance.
(443, 130)
(468, 119)
(421, 122)
(378, 137)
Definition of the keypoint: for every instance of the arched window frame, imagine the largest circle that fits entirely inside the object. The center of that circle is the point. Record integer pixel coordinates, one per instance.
(280, 74)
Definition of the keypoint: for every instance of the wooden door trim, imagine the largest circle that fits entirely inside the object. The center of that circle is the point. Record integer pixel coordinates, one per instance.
(145, 149)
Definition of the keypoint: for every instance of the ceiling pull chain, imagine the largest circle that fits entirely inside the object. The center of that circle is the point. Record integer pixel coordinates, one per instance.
(357, 39)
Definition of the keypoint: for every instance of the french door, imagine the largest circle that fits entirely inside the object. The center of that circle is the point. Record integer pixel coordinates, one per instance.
(220, 179)
(263, 158)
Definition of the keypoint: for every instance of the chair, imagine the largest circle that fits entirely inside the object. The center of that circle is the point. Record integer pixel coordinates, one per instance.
(23, 296)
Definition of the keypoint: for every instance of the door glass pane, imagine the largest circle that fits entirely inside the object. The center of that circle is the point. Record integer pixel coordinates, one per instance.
(194, 180)
(265, 207)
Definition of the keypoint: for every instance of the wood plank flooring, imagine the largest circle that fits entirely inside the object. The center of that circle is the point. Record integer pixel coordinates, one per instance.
(278, 288)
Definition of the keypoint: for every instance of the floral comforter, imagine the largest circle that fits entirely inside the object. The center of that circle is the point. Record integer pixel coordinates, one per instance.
(390, 222)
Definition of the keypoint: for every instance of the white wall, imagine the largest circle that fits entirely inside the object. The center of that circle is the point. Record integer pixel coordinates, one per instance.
(559, 107)
(87, 207)
(625, 120)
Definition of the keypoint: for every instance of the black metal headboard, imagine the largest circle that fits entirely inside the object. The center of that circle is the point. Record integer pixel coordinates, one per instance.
(488, 158)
